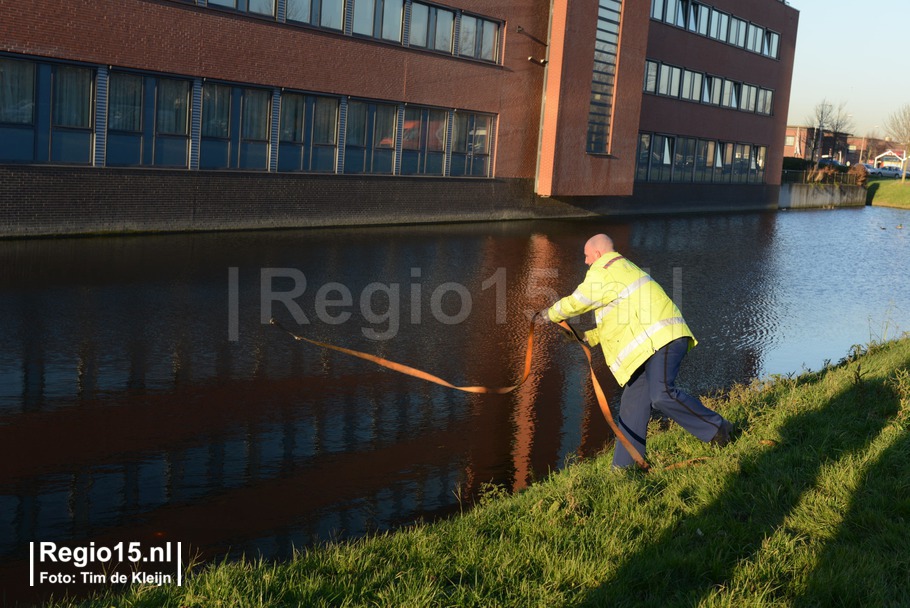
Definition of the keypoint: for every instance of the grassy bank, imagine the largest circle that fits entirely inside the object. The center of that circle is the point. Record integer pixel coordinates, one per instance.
(888, 193)
(809, 506)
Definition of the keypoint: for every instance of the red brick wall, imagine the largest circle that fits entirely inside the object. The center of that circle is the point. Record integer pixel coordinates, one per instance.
(180, 38)
(698, 53)
(566, 167)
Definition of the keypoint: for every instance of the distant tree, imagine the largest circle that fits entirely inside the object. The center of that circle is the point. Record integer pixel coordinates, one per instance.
(841, 124)
(827, 117)
(819, 119)
(873, 145)
(898, 127)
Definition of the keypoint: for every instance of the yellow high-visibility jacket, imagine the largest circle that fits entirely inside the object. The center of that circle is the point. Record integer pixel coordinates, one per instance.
(634, 315)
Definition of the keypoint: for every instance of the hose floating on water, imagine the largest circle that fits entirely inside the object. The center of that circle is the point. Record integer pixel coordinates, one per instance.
(416, 373)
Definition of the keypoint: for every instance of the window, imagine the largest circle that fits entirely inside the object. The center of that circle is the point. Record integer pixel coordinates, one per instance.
(723, 168)
(600, 109)
(670, 12)
(471, 138)
(17, 92)
(738, 32)
(789, 140)
(730, 97)
(720, 24)
(703, 88)
(147, 120)
(370, 144)
(755, 38)
(254, 124)
(749, 96)
(763, 106)
(657, 9)
(713, 87)
(72, 97)
(72, 113)
(432, 27)
(757, 172)
(378, 18)
(173, 102)
(262, 7)
(308, 133)
(299, 10)
(424, 141)
(742, 158)
(680, 20)
(651, 70)
(644, 156)
(124, 110)
(691, 86)
(699, 18)
(215, 145)
(771, 44)
(708, 21)
(216, 111)
(668, 83)
(661, 158)
(479, 38)
(321, 13)
(704, 160)
(172, 124)
(684, 159)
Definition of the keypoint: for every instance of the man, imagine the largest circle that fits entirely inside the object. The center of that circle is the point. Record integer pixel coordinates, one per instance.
(644, 338)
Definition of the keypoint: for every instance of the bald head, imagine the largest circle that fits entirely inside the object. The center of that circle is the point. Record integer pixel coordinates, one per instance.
(596, 246)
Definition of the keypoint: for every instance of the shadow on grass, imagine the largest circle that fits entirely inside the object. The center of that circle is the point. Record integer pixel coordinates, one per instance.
(702, 553)
(868, 563)
(871, 189)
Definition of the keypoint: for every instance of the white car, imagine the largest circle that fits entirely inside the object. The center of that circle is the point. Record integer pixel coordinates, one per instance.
(894, 172)
(872, 169)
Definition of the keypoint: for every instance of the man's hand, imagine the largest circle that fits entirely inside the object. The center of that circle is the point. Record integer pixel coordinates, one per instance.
(541, 316)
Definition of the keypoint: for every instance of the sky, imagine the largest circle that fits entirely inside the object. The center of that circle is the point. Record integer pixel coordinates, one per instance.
(852, 52)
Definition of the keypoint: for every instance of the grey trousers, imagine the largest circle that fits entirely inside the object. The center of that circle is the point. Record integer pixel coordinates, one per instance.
(653, 386)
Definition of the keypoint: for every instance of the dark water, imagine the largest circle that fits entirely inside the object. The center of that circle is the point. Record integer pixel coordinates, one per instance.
(142, 396)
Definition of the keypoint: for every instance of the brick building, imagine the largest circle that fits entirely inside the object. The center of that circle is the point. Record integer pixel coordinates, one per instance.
(812, 143)
(204, 114)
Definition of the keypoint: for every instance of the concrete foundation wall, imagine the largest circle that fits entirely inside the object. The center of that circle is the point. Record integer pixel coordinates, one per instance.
(820, 196)
(58, 200)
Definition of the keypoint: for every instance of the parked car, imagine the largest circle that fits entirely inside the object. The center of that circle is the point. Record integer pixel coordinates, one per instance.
(894, 172)
(829, 162)
(872, 169)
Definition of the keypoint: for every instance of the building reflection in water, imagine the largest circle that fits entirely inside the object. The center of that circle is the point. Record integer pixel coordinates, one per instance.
(126, 412)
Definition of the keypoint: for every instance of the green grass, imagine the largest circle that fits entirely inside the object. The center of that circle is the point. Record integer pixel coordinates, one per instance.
(888, 193)
(809, 506)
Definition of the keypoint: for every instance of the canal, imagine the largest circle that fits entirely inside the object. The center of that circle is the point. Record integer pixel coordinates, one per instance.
(143, 394)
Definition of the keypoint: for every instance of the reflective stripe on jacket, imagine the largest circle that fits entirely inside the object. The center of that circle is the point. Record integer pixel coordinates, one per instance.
(634, 315)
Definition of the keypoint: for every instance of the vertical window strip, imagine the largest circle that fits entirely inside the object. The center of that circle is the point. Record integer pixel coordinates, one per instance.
(450, 125)
(399, 135)
(456, 35)
(273, 130)
(196, 124)
(491, 151)
(342, 133)
(101, 84)
(601, 104)
(406, 24)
